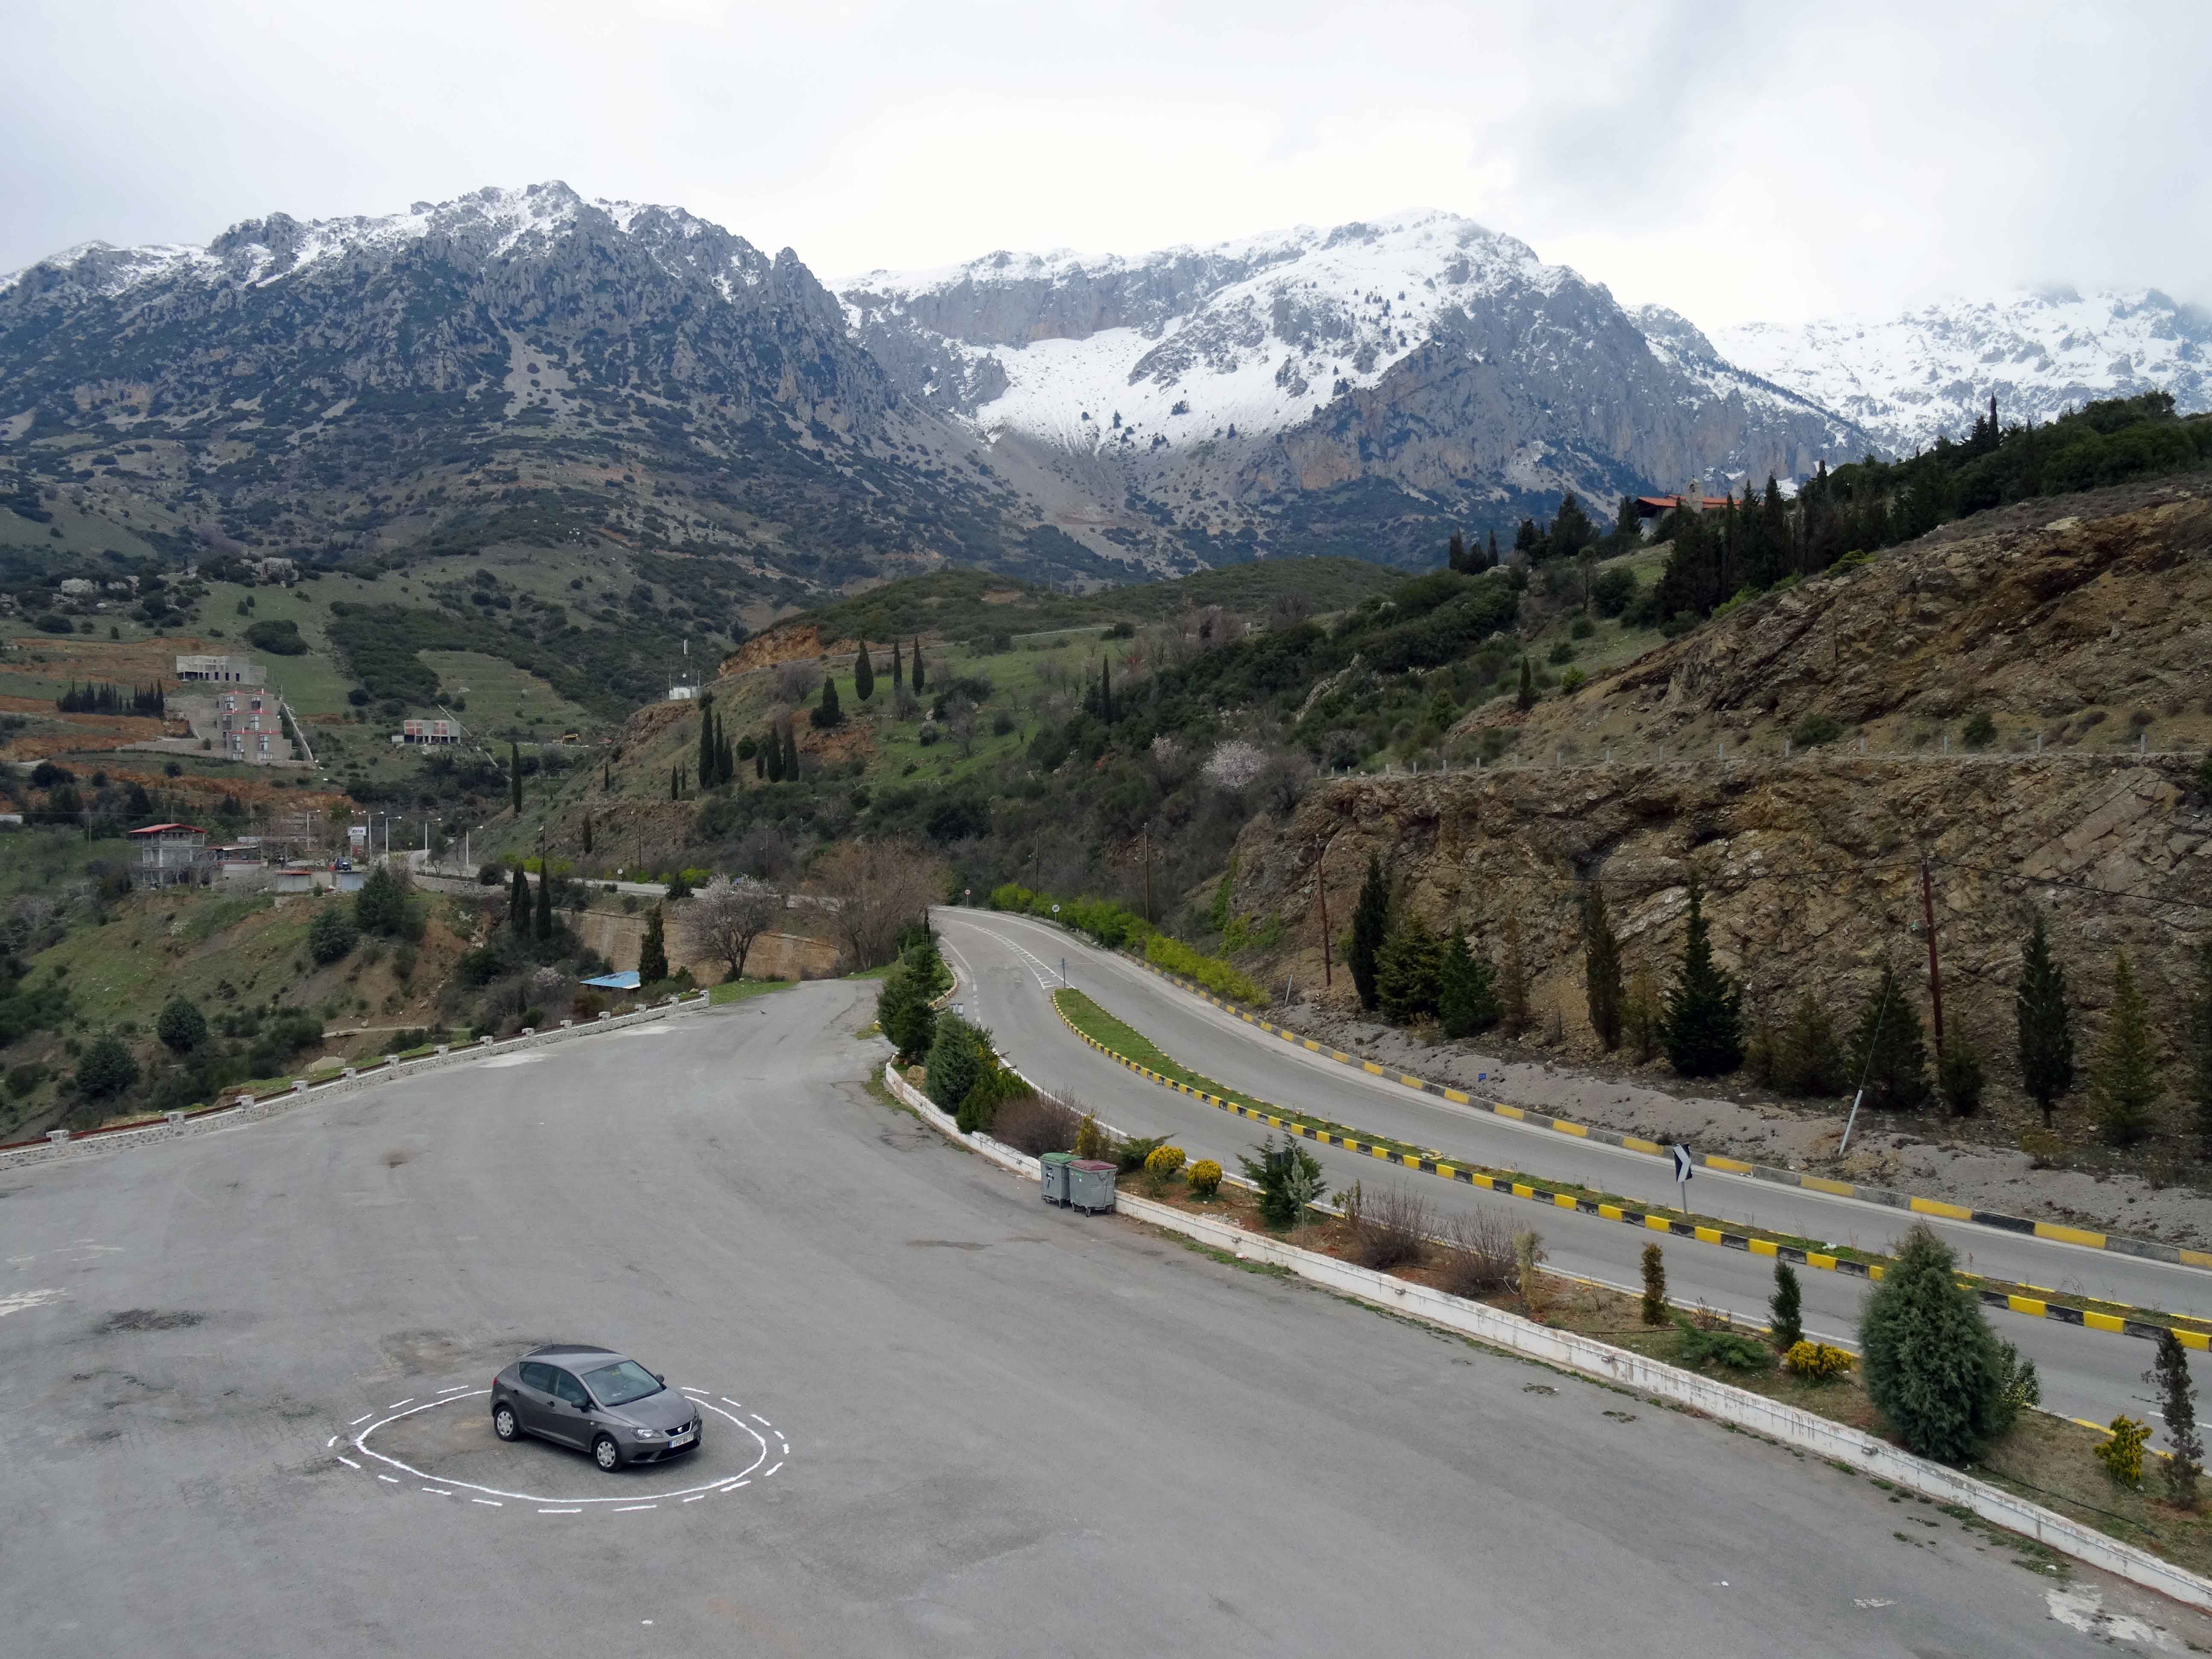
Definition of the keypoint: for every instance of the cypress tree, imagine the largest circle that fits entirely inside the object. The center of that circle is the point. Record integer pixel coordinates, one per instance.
(1489, 556)
(864, 675)
(1786, 1307)
(653, 954)
(898, 669)
(760, 764)
(772, 750)
(1600, 968)
(1371, 925)
(2045, 1023)
(706, 742)
(917, 666)
(587, 833)
(1933, 1367)
(518, 903)
(2125, 1086)
(544, 897)
(1408, 972)
(791, 751)
(1525, 698)
(1455, 555)
(2177, 1395)
(1889, 1050)
(1106, 691)
(2200, 1048)
(1704, 1034)
(514, 774)
(1466, 1001)
(1513, 984)
(831, 712)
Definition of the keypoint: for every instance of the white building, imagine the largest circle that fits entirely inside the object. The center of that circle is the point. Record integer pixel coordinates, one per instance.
(236, 671)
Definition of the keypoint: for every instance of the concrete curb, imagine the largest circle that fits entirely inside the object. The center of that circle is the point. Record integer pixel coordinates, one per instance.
(1620, 1368)
(93, 1143)
(1434, 1164)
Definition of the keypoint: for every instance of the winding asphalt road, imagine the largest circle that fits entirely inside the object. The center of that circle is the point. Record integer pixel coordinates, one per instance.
(967, 1424)
(1014, 962)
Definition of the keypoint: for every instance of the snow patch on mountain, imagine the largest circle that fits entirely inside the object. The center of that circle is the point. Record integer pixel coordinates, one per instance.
(1912, 377)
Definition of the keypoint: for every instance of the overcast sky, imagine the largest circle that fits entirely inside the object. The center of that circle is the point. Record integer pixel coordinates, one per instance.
(1726, 160)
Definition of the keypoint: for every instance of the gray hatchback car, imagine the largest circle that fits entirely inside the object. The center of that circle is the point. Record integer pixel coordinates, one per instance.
(596, 1400)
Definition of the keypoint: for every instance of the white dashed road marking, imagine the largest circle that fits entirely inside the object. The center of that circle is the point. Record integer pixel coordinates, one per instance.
(348, 1461)
(362, 1419)
(631, 1509)
(488, 1503)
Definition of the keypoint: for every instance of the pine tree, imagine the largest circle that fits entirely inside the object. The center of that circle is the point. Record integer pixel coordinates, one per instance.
(1655, 1286)
(518, 903)
(1408, 972)
(1513, 980)
(830, 714)
(1787, 1308)
(514, 774)
(1455, 555)
(1808, 1062)
(1887, 1051)
(917, 666)
(864, 675)
(1933, 1367)
(2046, 1023)
(1466, 1001)
(1525, 698)
(1704, 1034)
(1600, 968)
(2199, 1029)
(653, 954)
(1371, 925)
(2177, 1395)
(2125, 1085)
(791, 749)
(544, 928)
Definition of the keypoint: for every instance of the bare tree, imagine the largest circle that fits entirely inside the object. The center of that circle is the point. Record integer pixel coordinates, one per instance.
(725, 917)
(878, 888)
(795, 681)
(960, 721)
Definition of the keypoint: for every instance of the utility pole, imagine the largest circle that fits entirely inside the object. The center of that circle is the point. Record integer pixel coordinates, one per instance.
(1320, 891)
(1934, 978)
(1148, 876)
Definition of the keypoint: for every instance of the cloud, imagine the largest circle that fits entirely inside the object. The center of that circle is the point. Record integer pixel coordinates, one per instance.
(1723, 159)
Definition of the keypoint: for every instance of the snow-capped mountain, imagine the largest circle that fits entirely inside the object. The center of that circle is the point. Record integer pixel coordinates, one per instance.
(1379, 379)
(1911, 379)
(523, 364)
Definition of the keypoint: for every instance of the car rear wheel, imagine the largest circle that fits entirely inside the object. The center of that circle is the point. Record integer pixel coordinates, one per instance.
(503, 1423)
(606, 1453)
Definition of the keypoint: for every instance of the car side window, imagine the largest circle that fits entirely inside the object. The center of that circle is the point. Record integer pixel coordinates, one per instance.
(540, 1378)
(570, 1390)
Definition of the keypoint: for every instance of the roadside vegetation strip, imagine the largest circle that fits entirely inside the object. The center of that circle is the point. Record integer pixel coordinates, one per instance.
(744, 990)
(2148, 1250)
(1106, 1034)
(2082, 1528)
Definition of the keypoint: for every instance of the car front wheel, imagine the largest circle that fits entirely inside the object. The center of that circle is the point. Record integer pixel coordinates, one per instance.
(503, 1423)
(608, 1454)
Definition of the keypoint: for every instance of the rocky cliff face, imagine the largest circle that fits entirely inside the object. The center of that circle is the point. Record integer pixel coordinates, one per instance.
(1811, 863)
(1377, 383)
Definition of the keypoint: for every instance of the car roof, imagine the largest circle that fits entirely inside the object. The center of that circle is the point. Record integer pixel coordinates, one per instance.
(577, 1351)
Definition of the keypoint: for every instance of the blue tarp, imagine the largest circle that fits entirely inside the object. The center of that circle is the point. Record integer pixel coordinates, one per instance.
(625, 980)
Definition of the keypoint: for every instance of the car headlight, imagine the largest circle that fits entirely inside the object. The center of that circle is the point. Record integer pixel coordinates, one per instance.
(646, 1434)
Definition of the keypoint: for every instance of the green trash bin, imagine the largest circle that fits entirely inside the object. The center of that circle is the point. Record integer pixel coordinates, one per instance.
(1053, 1170)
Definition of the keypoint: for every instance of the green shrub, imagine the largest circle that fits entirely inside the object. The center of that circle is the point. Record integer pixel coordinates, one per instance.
(1215, 975)
(279, 638)
(1815, 730)
(1700, 1346)
(1979, 731)
(957, 1053)
(331, 935)
(2123, 1454)
(180, 1025)
(1816, 1362)
(1934, 1369)
(1289, 1180)
(107, 1069)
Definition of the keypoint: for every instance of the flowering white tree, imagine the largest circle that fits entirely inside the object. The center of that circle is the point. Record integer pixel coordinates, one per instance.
(1235, 764)
(725, 917)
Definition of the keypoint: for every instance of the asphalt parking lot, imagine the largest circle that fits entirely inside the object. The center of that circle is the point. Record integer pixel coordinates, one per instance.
(243, 1367)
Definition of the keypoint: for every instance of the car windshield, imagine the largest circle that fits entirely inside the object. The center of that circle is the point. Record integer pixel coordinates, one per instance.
(620, 1383)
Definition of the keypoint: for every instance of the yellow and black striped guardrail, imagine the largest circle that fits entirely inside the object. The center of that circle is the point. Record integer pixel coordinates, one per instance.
(1430, 1164)
(2148, 1250)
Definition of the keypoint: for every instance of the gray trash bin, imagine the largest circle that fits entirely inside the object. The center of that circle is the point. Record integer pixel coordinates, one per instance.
(1090, 1185)
(1053, 1167)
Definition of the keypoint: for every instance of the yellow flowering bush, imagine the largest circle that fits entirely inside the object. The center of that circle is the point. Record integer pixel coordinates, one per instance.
(1205, 1177)
(2123, 1454)
(1162, 1161)
(1816, 1362)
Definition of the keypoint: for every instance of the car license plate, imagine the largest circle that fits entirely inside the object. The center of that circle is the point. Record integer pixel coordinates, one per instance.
(683, 1439)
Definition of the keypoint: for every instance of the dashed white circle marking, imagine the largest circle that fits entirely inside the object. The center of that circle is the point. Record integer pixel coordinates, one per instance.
(495, 1497)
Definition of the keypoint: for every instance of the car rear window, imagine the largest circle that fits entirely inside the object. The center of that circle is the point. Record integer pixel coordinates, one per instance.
(620, 1383)
(540, 1378)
